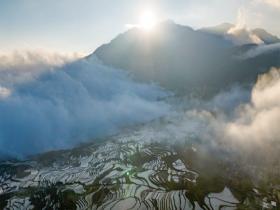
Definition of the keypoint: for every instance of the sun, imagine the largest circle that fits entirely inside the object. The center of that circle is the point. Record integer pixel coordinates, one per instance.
(147, 20)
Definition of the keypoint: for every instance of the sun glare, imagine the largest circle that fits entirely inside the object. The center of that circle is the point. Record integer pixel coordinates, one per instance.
(148, 20)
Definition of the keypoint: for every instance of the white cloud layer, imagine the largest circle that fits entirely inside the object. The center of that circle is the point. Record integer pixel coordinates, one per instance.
(240, 34)
(273, 3)
(233, 121)
(21, 66)
(63, 106)
(258, 122)
(67, 105)
(261, 49)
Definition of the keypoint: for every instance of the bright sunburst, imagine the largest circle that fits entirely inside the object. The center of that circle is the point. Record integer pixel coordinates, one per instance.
(147, 20)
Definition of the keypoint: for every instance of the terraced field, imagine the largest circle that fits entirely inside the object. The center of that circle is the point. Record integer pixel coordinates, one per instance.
(129, 172)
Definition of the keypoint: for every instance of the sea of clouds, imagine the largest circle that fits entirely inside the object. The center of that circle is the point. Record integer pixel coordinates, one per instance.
(52, 101)
(57, 102)
(241, 121)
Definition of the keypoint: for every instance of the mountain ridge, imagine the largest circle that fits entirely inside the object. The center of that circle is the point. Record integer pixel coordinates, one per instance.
(182, 59)
(224, 28)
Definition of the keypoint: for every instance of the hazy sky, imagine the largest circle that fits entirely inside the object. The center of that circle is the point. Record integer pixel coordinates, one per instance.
(82, 25)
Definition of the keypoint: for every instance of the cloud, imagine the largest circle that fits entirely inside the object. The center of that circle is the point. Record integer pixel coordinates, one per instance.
(74, 102)
(197, 121)
(261, 49)
(20, 66)
(4, 92)
(63, 106)
(272, 3)
(251, 125)
(33, 57)
(258, 122)
(247, 128)
(240, 34)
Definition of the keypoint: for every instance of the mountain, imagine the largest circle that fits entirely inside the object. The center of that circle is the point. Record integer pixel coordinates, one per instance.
(185, 60)
(224, 30)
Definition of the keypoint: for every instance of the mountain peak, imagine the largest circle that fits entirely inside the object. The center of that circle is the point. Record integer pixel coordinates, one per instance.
(172, 55)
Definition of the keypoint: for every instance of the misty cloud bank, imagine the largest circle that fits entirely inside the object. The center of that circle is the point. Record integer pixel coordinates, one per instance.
(22, 66)
(261, 49)
(257, 123)
(273, 3)
(239, 34)
(239, 121)
(48, 104)
(62, 104)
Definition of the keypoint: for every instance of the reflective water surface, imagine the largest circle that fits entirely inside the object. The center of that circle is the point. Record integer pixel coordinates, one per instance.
(127, 172)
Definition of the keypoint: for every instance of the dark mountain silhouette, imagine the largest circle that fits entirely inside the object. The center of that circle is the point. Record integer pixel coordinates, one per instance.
(185, 60)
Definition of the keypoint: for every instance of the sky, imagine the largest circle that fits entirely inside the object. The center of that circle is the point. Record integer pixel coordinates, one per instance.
(83, 25)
